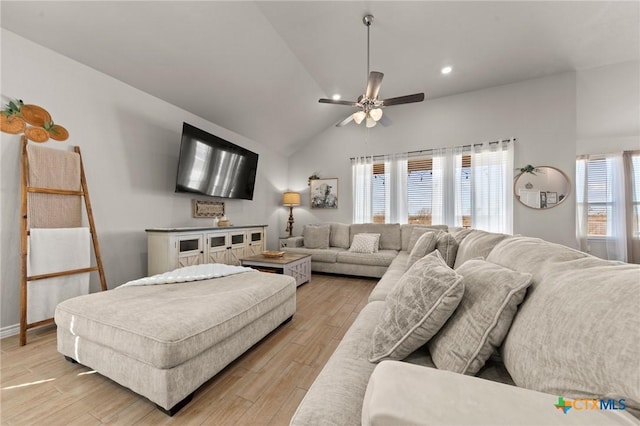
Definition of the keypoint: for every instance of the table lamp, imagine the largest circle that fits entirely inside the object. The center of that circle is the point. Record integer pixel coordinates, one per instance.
(290, 199)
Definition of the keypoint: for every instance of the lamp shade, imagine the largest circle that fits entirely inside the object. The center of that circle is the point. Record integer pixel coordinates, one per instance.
(376, 114)
(359, 116)
(290, 199)
(370, 122)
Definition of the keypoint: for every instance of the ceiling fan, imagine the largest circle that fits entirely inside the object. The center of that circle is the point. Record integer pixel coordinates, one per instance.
(370, 107)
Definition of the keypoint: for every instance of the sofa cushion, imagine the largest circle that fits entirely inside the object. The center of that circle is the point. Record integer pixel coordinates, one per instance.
(336, 395)
(477, 244)
(576, 333)
(396, 270)
(421, 302)
(316, 236)
(365, 243)
(389, 233)
(407, 229)
(426, 244)
(476, 329)
(459, 233)
(329, 255)
(403, 394)
(381, 258)
(339, 235)
(448, 248)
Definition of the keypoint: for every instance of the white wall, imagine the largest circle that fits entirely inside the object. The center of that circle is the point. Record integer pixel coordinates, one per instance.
(540, 113)
(608, 109)
(129, 142)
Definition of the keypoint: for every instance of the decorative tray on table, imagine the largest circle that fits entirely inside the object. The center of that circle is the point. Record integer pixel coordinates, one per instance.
(273, 254)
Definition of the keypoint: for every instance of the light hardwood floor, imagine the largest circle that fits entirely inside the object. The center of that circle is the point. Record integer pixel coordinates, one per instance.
(264, 386)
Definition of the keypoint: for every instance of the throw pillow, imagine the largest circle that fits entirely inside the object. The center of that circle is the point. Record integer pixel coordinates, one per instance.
(416, 233)
(365, 243)
(339, 236)
(491, 297)
(420, 303)
(316, 236)
(425, 245)
(448, 247)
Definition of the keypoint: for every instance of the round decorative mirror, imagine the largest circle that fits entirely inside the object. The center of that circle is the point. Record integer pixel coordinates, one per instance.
(541, 187)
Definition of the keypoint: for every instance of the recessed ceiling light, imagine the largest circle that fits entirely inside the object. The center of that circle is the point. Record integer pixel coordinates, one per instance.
(336, 97)
(446, 70)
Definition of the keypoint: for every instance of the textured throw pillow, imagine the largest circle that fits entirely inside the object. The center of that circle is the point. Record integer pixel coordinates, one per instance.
(420, 303)
(491, 297)
(365, 243)
(425, 245)
(448, 247)
(316, 236)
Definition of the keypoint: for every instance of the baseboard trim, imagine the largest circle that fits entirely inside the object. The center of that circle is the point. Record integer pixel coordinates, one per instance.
(10, 330)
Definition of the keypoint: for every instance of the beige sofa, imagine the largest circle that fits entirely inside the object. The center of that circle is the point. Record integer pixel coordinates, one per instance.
(575, 335)
(333, 255)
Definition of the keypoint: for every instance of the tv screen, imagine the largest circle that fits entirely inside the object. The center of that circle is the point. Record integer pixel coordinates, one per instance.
(209, 165)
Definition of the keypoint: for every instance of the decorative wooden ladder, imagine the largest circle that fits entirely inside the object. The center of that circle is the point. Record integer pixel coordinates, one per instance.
(25, 189)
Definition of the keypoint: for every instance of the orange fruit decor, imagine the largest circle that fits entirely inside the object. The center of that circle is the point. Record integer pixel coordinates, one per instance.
(58, 133)
(36, 134)
(35, 115)
(16, 115)
(12, 124)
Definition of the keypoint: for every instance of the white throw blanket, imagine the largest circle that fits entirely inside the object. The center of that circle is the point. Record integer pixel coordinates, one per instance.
(190, 273)
(55, 250)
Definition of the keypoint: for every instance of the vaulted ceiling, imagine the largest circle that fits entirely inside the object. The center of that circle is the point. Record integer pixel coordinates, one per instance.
(258, 68)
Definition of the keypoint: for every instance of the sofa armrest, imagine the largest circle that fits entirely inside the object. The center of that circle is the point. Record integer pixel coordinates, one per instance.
(294, 242)
(403, 393)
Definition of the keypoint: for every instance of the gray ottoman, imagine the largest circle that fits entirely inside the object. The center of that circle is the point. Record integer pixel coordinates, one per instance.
(164, 341)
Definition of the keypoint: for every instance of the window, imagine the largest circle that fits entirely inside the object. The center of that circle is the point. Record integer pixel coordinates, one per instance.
(600, 194)
(378, 193)
(599, 202)
(635, 167)
(420, 191)
(608, 204)
(443, 187)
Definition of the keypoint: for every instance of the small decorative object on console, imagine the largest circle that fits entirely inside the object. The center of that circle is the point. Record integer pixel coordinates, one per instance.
(273, 254)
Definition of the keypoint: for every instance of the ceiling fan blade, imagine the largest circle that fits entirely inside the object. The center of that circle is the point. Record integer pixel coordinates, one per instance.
(337, 102)
(345, 121)
(385, 120)
(373, 85)
(416, 97)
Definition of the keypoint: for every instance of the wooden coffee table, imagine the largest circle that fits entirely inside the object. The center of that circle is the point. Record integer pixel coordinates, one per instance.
(297, 266)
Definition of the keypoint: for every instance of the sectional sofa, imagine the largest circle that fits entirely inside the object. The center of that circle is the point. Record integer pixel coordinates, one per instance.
(328, 244)
(570, 356)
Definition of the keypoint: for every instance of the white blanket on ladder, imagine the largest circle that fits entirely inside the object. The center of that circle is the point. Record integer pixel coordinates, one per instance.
(55, 250)
(190, 273)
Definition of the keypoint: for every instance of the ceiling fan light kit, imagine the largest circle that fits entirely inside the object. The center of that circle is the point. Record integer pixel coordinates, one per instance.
(369, 104)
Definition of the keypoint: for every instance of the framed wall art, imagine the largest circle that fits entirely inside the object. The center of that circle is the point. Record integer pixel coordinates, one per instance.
(324, 193)
(202, 208)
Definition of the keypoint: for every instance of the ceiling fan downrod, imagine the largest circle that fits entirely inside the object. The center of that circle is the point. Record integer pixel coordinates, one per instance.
(368, 20)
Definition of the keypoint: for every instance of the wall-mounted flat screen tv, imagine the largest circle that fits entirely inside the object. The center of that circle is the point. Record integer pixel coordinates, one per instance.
(210, 165)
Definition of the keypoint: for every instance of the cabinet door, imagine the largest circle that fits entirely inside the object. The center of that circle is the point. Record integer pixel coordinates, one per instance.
(190, 250)
(255, 241)
(217, 244)
(237, 248)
